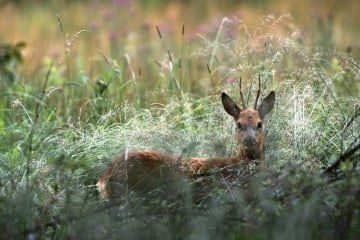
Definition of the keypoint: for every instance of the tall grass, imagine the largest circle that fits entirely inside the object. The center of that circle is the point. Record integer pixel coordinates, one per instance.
(51, 154)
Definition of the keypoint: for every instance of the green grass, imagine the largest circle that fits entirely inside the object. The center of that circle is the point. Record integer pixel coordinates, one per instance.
(59, 134)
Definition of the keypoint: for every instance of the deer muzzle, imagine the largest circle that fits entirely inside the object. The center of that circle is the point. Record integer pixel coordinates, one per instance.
(250, 140)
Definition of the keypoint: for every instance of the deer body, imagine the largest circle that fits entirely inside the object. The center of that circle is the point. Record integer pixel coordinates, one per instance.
(141, 170)
(145, 169)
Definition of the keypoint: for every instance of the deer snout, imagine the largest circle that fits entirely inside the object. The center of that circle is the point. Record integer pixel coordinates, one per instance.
(250, 142)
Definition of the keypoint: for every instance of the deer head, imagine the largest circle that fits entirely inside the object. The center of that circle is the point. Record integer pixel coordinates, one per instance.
(249, 123)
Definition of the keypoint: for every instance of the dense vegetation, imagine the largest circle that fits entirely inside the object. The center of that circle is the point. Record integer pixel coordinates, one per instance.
(64, 115)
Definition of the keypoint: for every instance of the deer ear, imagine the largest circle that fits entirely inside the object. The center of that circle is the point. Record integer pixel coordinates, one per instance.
(229, 105)
(267, 105)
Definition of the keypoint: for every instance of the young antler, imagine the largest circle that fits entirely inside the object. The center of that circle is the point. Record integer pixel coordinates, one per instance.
(258, 94)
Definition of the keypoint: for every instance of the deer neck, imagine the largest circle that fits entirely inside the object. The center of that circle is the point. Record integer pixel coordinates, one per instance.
(249, 154)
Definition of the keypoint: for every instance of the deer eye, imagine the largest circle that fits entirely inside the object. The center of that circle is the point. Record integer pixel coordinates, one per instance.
(239, 126)
(259, 125)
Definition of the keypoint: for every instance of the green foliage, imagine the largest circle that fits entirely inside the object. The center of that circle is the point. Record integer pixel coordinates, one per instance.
(58, 136)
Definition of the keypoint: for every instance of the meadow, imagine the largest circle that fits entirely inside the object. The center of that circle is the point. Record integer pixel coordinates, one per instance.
(82, 81)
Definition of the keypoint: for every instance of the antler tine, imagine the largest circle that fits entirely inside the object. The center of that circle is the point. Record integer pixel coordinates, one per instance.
(241, 95)
(258, 94)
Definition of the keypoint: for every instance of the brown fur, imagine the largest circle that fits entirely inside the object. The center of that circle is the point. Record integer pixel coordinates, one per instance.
(142, 170)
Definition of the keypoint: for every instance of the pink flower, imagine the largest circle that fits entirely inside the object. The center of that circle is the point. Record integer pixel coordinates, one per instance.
(94, 25)
(230, 80)
(112, 36)
(54, 54)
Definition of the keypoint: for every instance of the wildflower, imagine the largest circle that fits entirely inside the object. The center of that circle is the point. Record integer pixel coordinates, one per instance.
(54, 54)
(112, 36)
(94, 25)
(230, 80)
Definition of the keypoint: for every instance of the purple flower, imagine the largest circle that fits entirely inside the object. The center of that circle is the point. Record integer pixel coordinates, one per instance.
(230, 80)
(54, 54)
(94, 25)
(112, 36)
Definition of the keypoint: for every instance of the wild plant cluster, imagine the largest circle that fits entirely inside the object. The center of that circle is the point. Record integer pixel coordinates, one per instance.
(56, 140)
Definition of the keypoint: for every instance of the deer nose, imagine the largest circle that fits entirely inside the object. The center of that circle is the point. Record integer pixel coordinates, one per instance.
(249, 142)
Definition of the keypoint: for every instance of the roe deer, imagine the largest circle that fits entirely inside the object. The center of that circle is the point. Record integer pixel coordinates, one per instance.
(142, 168)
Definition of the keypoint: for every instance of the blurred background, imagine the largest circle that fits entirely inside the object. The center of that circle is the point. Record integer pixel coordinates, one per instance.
(110, 26)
